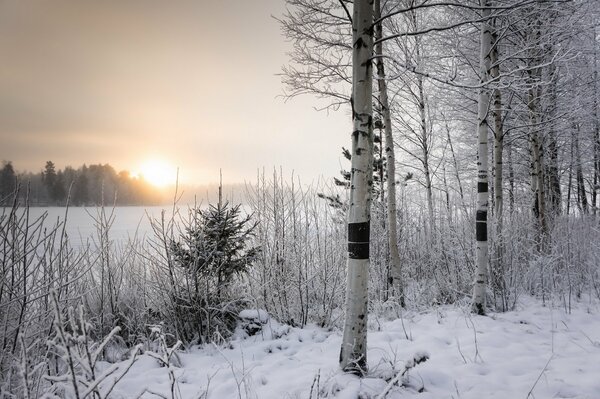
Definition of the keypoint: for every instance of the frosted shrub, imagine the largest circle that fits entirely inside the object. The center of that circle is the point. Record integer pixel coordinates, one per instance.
(35, 257)
(75, 372)
(299, 275)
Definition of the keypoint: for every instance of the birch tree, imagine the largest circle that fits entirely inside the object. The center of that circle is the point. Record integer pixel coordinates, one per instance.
(481, 217)
(498, 271)
(396, 267)
(353, 354)
(415, 116)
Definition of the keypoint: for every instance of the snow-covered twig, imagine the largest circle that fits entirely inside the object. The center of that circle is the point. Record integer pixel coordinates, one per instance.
(530, 393)
(166, 355)
(73, 346)
(418, 358)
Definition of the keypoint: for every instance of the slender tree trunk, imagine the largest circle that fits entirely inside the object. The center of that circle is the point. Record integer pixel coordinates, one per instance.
(581, 193)
(537, 168)
(498, 264)
(396, 267)
(425, 145)
(511, 178)
(424, 136)
(456, 173)
(570, 185)
(498, 140)
(353, 354)
(481, 217)
(536, 142)
(553, 178)
(447, 195)
(596, 131)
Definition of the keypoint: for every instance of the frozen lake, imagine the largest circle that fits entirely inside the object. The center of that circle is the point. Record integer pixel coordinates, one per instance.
(81, 224)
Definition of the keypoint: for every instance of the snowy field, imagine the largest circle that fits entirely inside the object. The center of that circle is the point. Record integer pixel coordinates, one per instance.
(534, 352)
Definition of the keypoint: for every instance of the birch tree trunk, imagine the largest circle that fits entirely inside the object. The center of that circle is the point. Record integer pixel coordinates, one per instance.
(537, 162)
(353, 353)
(463, 204)
(396, 267)
(536, 142)
(552, 171)
(425, 146)
(424, 139)
(498, 263)
(479, 287)
(537, 157)
(582, 202)
(570, 185)
(596, 130)
(511, 179)
(498, 138)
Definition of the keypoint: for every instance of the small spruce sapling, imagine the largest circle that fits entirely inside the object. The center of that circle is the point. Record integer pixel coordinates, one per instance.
(213, 249)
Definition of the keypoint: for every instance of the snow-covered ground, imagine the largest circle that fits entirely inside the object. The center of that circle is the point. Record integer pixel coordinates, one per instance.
(536, 351)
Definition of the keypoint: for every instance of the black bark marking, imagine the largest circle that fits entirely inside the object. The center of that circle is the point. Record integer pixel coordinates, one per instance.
(359, 43)
(359, 232)
(481, 226)
(479, 309)
(481, 216)
(482, 187)
(358, 250)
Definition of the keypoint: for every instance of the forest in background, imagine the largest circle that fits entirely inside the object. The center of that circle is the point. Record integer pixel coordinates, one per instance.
(88, 185)
(100, 185)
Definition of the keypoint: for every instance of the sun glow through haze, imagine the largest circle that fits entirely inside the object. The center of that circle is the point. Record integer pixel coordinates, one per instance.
(158, 173)
(122, 82)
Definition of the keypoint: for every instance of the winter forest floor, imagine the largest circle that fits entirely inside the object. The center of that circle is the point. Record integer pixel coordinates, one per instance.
(535, 351)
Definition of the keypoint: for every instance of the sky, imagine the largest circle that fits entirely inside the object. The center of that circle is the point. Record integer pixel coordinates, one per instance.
(190, 83)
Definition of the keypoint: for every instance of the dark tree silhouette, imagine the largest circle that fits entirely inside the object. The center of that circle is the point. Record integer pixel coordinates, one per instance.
(8, 182)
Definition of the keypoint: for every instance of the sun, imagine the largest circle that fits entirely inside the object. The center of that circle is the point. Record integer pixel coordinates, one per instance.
(158, 173)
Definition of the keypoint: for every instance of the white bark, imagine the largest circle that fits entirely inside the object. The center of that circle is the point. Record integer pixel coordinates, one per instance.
(425, 139)
(396, 267)
(537, 153)
(479, 287)
(498, 139)
(498, 272)
(581, 194)
(537, 162)
(425, 142)
(596, 130)
(353, 354)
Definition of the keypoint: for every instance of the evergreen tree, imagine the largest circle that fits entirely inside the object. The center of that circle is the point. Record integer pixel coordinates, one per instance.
(80, 187)
(60, 188)
(8, 182)
(214, 248)
(49, 179)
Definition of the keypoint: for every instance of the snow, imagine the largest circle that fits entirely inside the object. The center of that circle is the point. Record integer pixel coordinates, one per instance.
(257, 315)
(542, 350)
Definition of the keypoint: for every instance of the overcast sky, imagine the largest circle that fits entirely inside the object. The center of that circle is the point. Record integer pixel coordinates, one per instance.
(190, 82)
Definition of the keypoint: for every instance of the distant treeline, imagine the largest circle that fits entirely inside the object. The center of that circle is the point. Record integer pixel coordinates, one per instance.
(87, 185)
